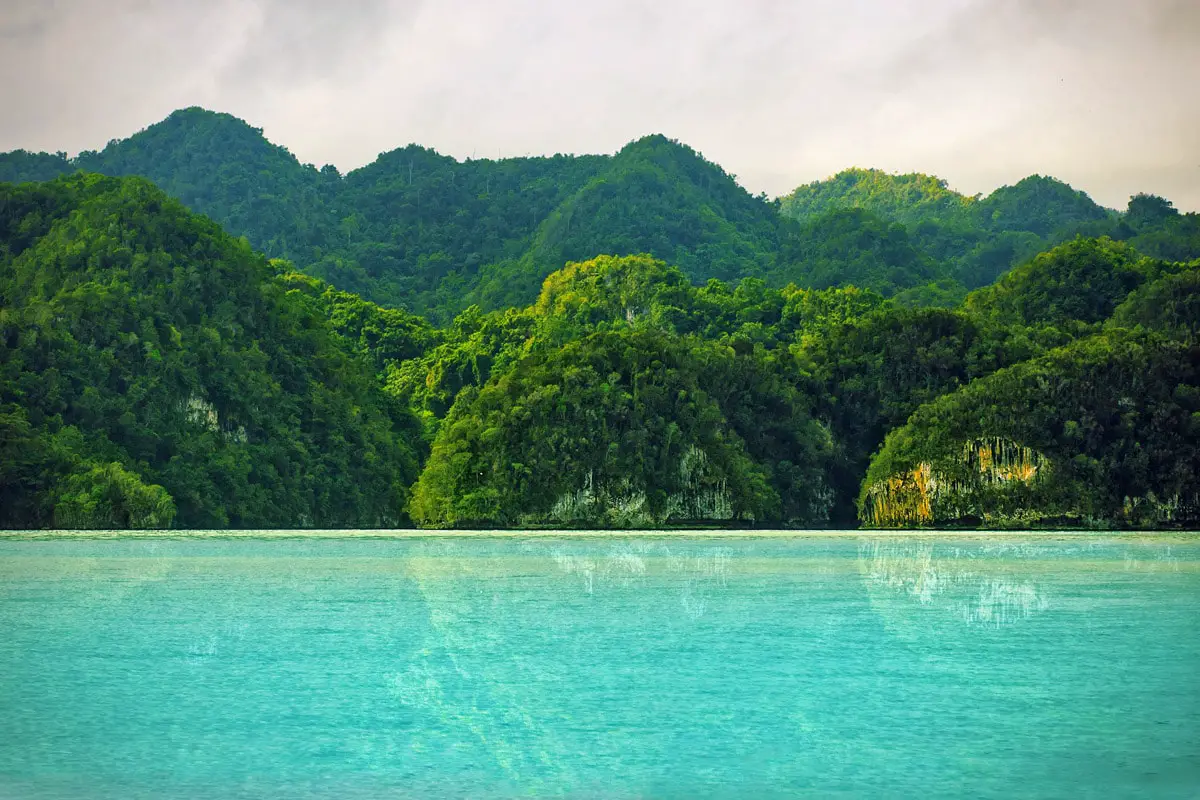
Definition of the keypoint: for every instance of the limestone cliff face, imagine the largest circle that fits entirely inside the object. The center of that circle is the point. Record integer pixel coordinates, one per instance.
(998, 483)
(980, 482)
(1101, 433)
(705, 497)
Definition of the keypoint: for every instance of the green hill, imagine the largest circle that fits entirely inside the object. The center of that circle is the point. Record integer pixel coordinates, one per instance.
(1170, 305)
(21, 166)
(907, 199)
(220, 166)
(1103, 432)
(595, 407)
(154, 371)
(1080, 281)
(432, 234)
(854, 247)
(625, 340)
(420, 228)
(973, 239)
(655, 196)
(1039, 205)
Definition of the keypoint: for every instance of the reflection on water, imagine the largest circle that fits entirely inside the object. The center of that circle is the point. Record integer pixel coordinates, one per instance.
(472, 675)
(481, 667)
(1160, 558)
(697, 571)
(602, 667)
(978, 587)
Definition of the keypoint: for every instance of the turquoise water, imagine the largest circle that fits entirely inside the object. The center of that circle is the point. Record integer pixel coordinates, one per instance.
(600, 667)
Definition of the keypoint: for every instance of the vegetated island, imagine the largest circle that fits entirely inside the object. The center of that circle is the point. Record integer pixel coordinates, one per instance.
(197, 331)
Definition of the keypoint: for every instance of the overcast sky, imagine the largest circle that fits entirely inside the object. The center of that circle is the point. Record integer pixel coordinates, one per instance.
(1104, 94)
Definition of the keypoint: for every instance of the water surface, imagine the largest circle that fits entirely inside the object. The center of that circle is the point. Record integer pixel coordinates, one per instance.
(681, 666)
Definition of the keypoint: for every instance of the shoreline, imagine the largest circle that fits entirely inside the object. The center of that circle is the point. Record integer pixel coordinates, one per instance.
(682, 533)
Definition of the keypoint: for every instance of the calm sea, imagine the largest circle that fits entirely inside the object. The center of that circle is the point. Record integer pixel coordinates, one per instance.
(854, 666)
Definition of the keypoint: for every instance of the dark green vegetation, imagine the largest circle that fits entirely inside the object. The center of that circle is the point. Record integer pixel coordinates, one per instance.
(626, 340)
(973, 240)
(434, 235)
(1105, 430)
(154, 371)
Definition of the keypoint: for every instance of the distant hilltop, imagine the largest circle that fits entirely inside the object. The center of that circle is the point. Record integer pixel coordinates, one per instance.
(432, 234)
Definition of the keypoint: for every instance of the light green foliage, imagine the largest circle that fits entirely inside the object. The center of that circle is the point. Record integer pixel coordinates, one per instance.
(476, 344)
(944, 293)
(973, 240)
(109, 497)
(383, 336)
(608, 289)
(1080, 281)
(907, 199)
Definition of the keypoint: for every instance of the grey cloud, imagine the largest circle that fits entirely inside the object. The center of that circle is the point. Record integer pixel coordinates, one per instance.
(1098, 93)
(302, 40)
(79, 73)
(24, 24)
(981, 92)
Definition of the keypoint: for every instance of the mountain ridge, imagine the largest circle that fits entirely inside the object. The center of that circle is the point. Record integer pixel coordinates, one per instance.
(433, 234)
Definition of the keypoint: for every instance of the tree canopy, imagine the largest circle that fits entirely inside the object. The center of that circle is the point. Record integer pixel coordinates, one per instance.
(433, 234)
(625, 340)
(155, 371)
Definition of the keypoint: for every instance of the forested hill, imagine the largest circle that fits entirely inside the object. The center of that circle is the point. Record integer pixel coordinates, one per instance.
(217, 165)
(655, 196)
(155, 371)
(974, 240)
(426, 232)
(629, 340)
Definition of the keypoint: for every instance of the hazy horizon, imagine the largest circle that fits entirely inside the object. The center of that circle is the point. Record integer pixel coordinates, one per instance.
(980, 93)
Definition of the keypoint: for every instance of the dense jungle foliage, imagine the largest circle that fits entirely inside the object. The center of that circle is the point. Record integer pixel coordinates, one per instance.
(628, 340)
(155, 372)
(434, 235)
